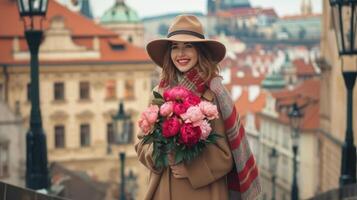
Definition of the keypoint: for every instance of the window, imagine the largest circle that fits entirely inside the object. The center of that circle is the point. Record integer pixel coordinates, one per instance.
(59, 91)
(84, 90)
(110, 133)
(85, 135)
(59, 136)
(129, 89)
(4, 159)
(284, 168)
(28, 95)
(110, 89)
(130, 39)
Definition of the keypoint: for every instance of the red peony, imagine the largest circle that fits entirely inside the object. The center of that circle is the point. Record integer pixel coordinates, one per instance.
(170, 127)
(192, 100)
(189, 134)
(180, 108)
(176, 93)
(167, 95)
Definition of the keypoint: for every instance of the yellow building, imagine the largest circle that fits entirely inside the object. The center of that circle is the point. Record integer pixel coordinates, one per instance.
(85, 70)
(332, 104)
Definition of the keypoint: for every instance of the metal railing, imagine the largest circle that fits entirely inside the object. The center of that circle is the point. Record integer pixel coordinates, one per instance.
(11, 192)
(348, 192)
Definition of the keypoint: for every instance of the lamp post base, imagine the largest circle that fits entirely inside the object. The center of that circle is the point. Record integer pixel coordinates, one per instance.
(348, 162)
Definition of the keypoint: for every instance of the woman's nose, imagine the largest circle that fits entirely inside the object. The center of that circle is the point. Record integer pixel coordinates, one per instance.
(181, 51)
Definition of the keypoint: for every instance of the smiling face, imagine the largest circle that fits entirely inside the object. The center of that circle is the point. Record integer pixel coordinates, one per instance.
(183, 55)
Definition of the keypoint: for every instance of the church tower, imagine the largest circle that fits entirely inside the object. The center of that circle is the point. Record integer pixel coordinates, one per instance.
(211, 7)
(306, 7)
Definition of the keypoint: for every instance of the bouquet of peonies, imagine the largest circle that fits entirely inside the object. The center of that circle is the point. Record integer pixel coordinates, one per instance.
(178, 122)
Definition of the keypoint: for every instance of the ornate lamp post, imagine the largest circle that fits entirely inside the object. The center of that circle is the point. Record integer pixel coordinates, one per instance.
(273, 163)
(132, 184)
(344, 18)
(121, 123)
(36, 150)
(122, 195)
(295, 116)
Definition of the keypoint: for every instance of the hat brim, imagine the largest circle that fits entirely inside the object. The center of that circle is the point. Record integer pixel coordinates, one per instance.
(157, 48)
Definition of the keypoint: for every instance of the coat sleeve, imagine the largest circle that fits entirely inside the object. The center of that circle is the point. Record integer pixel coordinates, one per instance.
(215, 162)
(144, 151)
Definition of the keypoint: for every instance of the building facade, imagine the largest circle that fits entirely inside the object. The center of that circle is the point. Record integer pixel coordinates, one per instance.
(12, 146)
(275, 133)
(333, 104)
(85, 71)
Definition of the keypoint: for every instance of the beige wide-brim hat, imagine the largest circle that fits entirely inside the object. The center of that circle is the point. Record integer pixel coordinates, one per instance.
(185, 28)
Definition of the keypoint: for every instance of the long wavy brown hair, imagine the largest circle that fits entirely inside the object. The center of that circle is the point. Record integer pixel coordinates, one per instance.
(206, 66)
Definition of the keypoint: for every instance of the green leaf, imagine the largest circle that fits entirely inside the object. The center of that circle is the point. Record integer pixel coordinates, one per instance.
(157, 95)
(158, 102)
(148, 139)
(179, 155)
(165, 160)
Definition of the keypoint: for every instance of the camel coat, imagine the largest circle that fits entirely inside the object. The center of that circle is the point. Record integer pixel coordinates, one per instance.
(206, 174)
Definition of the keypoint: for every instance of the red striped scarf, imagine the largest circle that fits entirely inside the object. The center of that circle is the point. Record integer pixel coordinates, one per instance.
(243, 180)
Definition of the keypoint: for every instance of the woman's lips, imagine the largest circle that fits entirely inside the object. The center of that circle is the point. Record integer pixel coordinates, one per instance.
(183, 61)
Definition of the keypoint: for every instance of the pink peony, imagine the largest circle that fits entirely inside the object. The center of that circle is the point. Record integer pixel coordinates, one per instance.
(206, 129)
(176, 93)
(209, 110)
(189, 135)
(145, 126)
(180, 108)
(166, 109)
(151, 113)
(193, 115)
(171, 127)
(148, 119)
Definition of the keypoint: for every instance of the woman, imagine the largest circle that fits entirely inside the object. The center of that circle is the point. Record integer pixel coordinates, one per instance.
(225, 170)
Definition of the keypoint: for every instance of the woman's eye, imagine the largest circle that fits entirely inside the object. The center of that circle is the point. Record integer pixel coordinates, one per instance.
(188, 45)
(173, 47)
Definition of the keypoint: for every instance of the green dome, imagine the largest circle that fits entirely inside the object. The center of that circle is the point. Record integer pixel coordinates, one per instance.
(274, 81)
(120, 13)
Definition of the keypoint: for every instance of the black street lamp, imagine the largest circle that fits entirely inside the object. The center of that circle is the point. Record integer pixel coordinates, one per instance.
(273, 163)
(122, 195)
(132, 184)
(36, 149)
(122, 125)
(344, 18)
(295, 116)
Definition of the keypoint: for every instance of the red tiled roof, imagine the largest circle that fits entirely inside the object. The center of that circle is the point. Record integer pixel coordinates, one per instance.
(303, 68)
(224, 14)
(300, 17)
(307, 93)
(78, 24)
(243, 105)
(245, 12)
(247, 79)
(82, 30)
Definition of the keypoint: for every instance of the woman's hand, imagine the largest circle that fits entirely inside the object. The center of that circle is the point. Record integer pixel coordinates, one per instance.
(171, 158)
(179, 170)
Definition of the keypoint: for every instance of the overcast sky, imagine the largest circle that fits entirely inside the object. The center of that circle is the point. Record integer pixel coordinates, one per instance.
(147, 8)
